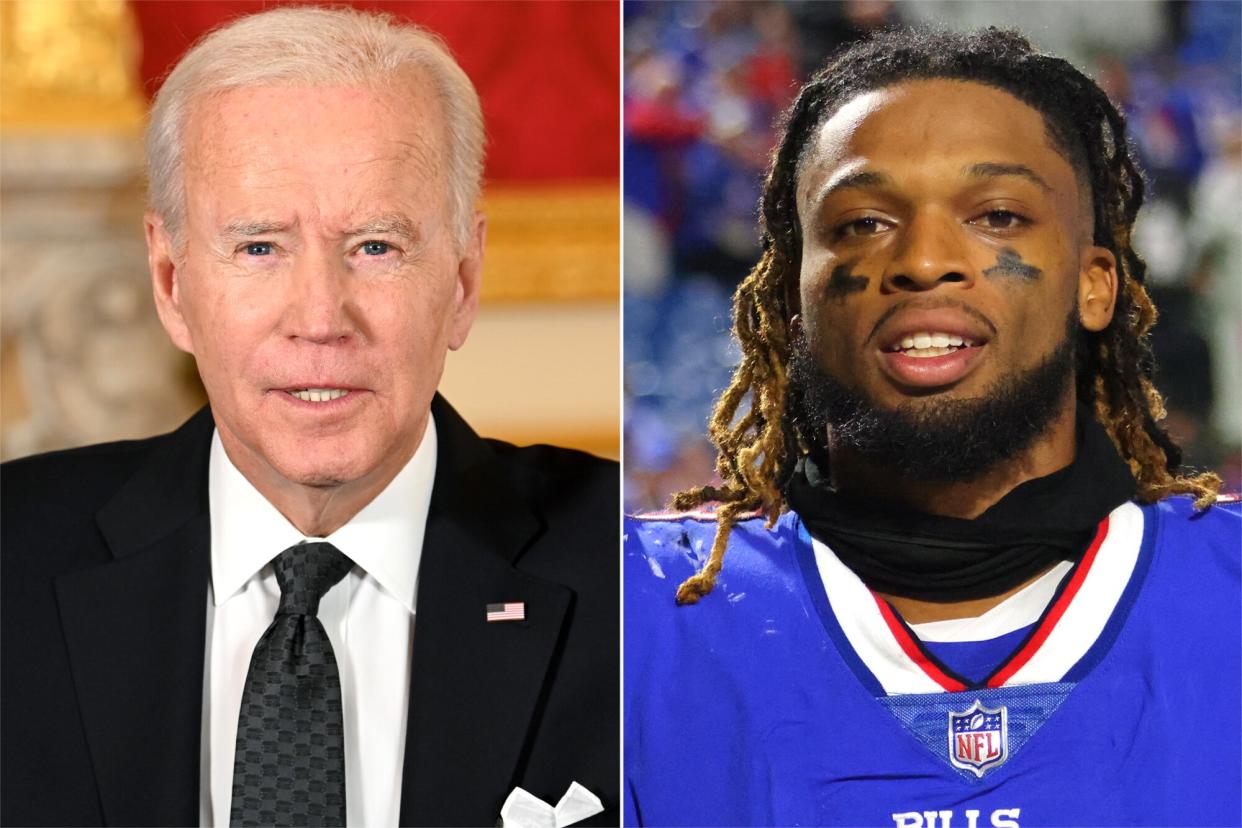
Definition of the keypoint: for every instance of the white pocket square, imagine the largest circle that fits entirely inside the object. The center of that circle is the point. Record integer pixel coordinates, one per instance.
(525, 810)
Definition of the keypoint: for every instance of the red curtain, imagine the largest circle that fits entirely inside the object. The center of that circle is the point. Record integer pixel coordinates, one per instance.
(548, 73)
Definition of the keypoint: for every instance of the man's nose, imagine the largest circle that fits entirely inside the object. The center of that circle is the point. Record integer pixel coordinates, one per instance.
(931, 251)
(319, 307)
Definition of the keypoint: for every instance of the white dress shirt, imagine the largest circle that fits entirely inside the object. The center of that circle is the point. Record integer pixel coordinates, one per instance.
(369, 617)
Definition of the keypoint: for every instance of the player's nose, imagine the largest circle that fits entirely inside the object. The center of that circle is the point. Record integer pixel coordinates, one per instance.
(931, 251)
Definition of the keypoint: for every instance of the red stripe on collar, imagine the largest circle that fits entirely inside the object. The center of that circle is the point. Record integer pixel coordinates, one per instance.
(913, 651)
(1020, 658)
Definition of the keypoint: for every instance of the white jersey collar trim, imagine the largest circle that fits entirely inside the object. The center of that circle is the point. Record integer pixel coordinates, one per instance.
(1072, 626)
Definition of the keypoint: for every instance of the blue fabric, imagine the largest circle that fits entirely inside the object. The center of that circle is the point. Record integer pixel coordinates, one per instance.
(744, 710)
(1027, 708)
(975, 660)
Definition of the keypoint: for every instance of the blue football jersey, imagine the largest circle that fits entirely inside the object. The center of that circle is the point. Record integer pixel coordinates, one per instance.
(792, 695)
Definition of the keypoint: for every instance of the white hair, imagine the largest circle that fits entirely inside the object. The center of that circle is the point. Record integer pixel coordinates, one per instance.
(308, 46)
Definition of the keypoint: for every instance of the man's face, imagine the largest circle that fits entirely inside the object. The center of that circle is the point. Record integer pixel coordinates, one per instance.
(945, 243)
(319, 286)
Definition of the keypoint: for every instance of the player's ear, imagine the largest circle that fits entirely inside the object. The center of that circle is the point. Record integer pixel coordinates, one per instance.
(795, 326)
(1097, 287)
(166, 281)
(793, 302)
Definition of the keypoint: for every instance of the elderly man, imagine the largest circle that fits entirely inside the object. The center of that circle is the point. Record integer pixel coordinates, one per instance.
(323, 600)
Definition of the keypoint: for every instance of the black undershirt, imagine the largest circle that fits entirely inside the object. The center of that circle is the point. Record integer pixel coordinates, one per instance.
(899, 551)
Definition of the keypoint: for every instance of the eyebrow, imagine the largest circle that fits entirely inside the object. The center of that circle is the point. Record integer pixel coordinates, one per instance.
(857, 181)
(249, 229)
(993, 170)
(389, 223)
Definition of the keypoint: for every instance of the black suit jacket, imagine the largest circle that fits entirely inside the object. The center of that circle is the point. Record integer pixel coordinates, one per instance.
(106, 559)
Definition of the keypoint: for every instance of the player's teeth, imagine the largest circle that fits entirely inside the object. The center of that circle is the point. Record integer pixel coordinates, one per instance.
(319, 394)
(928, 341)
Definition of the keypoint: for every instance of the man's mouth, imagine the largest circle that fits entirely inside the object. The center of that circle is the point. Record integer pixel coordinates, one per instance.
(928, 344)
(317, 395)
(925, 348)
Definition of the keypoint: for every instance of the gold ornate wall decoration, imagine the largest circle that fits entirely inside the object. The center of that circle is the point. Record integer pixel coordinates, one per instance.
(84, 357)
(552, 242)
(69, 63)
(82, 354)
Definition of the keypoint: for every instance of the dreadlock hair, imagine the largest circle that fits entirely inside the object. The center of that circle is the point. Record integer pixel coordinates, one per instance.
(758, 450)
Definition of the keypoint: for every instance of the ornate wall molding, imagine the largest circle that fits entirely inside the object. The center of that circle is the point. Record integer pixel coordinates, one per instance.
(85, 358)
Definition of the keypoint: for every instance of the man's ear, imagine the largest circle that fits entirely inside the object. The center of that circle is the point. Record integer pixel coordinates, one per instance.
(166, 281)
(796, 330)
(1097, 287)
(469, 282)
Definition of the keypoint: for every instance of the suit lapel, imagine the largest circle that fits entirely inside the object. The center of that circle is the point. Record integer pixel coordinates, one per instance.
(475, 684)
(135, 629)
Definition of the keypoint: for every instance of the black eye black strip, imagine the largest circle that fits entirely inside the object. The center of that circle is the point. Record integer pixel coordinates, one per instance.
(843, 282)
(1009, 263)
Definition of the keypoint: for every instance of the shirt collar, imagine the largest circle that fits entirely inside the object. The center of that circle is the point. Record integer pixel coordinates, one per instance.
(385, 539)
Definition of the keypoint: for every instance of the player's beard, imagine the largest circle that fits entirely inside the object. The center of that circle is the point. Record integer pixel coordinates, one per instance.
(934, 439)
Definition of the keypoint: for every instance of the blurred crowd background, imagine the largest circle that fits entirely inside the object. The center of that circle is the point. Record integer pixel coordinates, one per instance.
(704, 83)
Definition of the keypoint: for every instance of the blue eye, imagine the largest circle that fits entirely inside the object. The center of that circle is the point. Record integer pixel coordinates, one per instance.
(375, 248)
(259, 249)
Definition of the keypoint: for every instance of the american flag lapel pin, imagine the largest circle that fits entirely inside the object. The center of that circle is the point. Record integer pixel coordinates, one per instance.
(511, 611)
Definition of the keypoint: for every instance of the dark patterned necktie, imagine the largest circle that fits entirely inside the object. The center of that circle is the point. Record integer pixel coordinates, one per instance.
(289, 768)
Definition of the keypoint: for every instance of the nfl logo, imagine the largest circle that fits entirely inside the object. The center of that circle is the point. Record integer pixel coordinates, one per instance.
(979, 738)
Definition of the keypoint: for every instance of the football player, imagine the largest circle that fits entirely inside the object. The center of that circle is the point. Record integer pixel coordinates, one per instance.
(954, 574)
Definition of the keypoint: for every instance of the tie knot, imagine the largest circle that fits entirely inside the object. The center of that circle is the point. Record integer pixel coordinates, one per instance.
(305, 573)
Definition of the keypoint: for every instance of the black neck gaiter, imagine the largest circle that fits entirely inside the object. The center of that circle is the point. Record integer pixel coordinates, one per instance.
(902, 552)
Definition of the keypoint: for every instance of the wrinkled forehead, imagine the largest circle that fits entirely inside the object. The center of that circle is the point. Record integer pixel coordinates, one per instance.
(400, 116)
